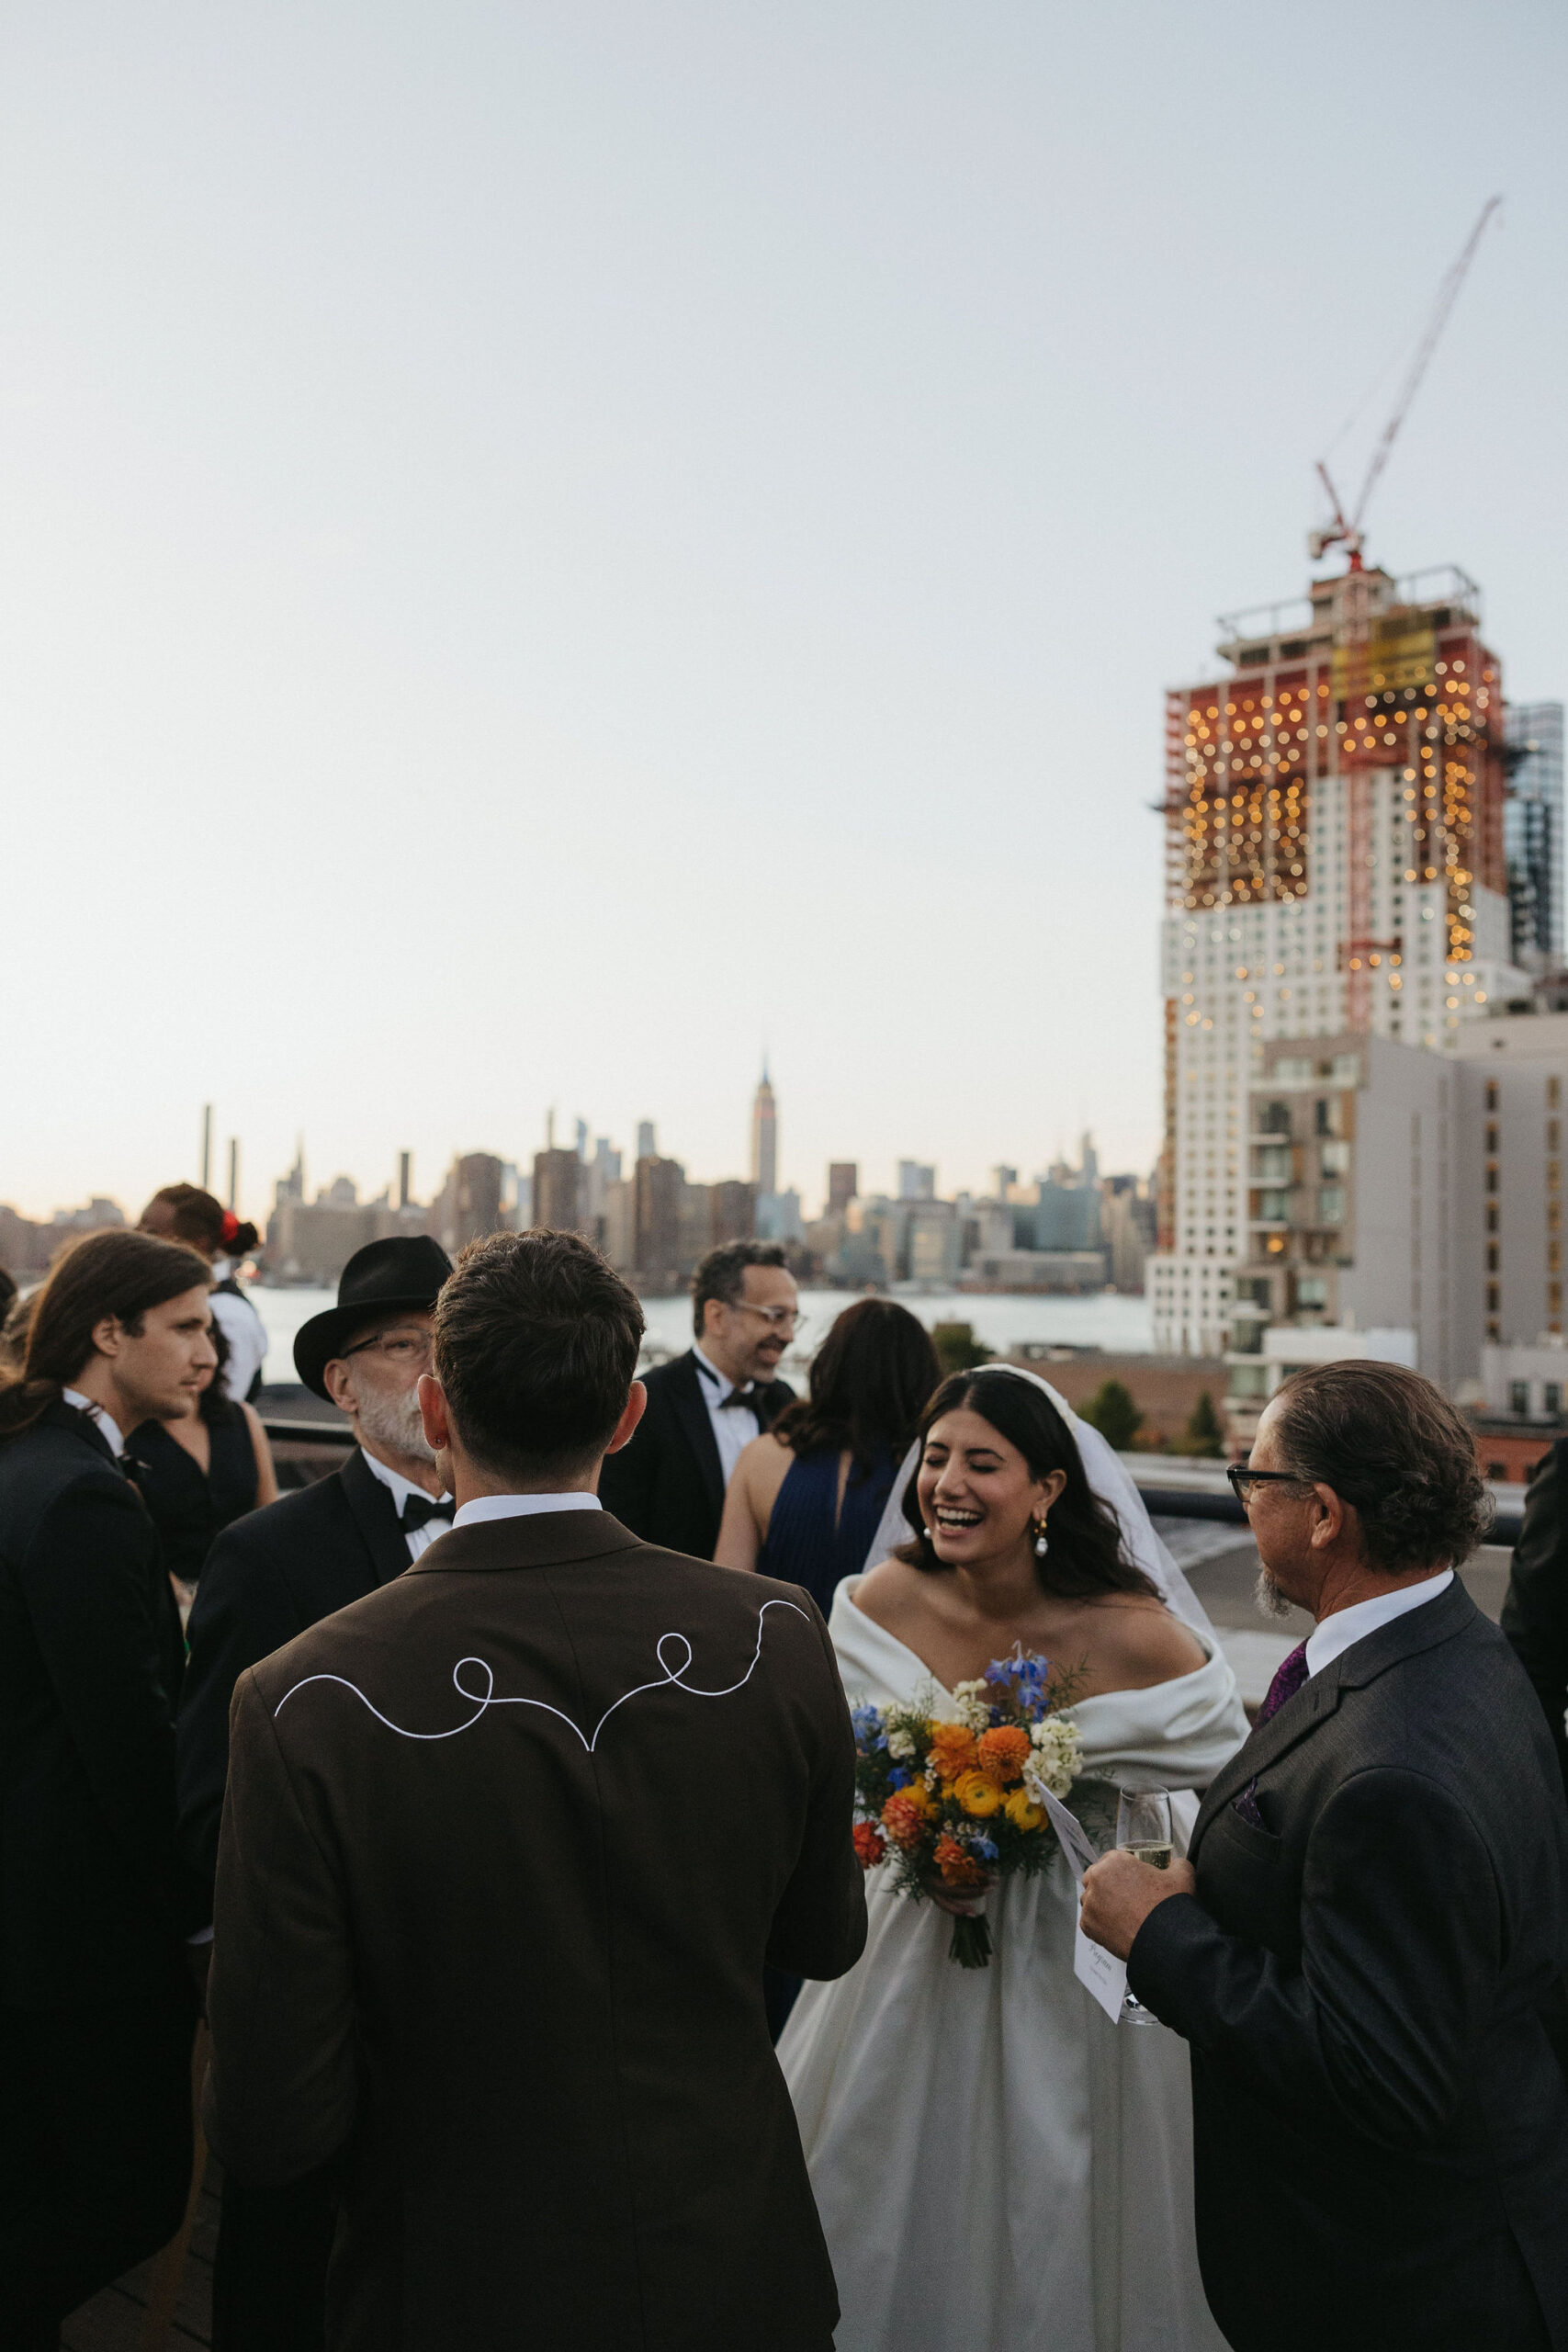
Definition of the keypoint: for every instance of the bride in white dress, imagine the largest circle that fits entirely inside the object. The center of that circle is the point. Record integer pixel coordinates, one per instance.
(995, 2162)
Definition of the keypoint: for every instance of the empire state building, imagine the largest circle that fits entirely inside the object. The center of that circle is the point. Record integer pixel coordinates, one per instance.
(765, 1137)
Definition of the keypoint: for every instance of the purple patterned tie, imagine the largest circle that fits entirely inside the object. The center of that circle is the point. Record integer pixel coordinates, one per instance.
(1288, 1681)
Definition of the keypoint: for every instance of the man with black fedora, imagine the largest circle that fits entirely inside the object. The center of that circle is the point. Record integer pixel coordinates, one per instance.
(268, 1577)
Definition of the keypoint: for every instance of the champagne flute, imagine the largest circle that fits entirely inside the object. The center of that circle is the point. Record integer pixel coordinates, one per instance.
(1143, 1827)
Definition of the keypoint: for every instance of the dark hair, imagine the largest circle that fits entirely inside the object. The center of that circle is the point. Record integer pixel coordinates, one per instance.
(1391, 1445)
(112, 1272)
(201, 1218)
(722, 1273)
(8, 1292)
(215, 1405)
(1086, 1555)
(869, 1379)
(536, 1339)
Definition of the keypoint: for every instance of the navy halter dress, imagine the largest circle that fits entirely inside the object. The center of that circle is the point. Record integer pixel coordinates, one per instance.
(803, 1544)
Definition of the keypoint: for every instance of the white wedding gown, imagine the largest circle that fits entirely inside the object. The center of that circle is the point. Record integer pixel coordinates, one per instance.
(997, 2164)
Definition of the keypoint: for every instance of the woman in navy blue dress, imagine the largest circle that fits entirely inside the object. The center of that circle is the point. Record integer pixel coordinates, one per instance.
(807, 1495)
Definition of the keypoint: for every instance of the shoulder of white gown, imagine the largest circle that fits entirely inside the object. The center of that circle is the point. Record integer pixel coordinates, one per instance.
(874, 1664)
(1185, 1703)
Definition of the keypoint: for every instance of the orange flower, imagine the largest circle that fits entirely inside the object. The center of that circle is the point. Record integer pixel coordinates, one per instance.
(904, 1822)
(958, 1869)
(952, 1749)
(870, 1844)
(977, 1793)
(1004, 1752)
(1023, 1813)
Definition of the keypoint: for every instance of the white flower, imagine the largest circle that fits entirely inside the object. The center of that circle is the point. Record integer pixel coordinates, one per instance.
(1057, 1759)
(974, 1708)
(901, 1744)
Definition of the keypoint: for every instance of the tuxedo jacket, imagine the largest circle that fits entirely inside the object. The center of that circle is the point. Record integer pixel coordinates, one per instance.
(267, 1578)
(1371, 1983)
(1535, 1612)
(93, 1901)
(667, 1486)
(505, 1847)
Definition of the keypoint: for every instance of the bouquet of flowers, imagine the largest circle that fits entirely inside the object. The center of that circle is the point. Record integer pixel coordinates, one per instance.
(957, 1804)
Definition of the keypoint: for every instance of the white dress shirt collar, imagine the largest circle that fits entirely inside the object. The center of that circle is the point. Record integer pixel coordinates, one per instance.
(489, 1507)
(418, 1539)
(1337, 1634)
(733, 1428)
(107, 1426)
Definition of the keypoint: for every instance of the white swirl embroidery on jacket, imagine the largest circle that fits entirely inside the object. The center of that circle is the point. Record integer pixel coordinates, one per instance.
(482, 1700)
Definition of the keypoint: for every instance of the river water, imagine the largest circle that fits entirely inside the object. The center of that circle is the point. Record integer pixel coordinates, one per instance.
(1002, 1322)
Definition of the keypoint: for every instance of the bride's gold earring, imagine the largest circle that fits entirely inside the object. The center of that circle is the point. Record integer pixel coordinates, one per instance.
(1041, 1545)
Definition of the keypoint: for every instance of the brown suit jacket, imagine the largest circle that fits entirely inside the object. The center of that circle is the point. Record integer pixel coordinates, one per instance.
(508, 1956)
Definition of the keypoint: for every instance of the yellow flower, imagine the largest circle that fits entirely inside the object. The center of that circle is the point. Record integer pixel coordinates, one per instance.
(1021, 1813)
(977, 1793)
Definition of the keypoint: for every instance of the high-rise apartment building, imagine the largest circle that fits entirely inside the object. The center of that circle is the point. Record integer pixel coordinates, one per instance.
(470, 1205)
(1532, 834)
(657, 1187)
(843, 1183)
(1335, 869)
(560, 1191)
(765, 1137)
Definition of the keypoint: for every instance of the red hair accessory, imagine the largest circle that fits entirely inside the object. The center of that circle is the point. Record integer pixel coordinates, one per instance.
(231, 1225)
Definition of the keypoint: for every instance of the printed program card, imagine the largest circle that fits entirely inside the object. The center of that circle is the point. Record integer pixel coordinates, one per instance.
(1098, 1971)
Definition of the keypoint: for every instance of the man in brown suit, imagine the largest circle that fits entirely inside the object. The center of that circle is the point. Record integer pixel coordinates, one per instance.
(506, 1845)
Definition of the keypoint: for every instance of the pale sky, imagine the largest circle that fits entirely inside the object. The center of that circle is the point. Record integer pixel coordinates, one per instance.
(546, 547)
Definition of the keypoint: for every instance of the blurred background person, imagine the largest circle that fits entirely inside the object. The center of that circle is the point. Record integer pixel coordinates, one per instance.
(15, 1328)
(1535, 1612)
(808, 1494)
(197, 1475)
(269, 1577)
(185, 1213)
(668, 1485)
(97, 2006)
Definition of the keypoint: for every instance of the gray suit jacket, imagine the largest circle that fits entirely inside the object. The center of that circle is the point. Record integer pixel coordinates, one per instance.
(1371, 1983)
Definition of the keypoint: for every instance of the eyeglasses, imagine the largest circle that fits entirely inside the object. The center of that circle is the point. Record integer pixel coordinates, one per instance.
(1242, 1480)
(404, 1347)
(777, 1318)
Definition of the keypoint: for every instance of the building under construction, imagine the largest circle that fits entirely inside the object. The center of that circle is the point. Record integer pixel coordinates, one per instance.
(1335, 868)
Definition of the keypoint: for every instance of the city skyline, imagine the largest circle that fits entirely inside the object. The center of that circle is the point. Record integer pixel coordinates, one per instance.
(602, 540)
(402, 1170)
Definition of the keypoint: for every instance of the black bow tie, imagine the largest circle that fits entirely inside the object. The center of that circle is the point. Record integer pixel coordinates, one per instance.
(747, 1397)
(418, 1510)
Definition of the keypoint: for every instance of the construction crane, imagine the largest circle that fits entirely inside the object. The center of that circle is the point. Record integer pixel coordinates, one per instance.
(1348, 533)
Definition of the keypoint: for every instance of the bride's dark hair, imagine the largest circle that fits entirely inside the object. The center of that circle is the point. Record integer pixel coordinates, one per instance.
(1086, 1555)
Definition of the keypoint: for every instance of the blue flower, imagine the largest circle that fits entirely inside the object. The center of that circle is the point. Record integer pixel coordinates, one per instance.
(985, 1846)
(868, 1730)
(899, 1778)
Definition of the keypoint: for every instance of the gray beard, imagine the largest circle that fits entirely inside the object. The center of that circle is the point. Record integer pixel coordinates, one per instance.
(1268, 1596)
(393, 1426)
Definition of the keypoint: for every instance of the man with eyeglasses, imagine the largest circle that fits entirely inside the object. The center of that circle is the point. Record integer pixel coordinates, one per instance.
(668, 1485)
(1365, 1945)
(269, 1577)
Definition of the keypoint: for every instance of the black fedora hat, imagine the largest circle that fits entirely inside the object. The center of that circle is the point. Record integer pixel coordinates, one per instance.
(405, 1271)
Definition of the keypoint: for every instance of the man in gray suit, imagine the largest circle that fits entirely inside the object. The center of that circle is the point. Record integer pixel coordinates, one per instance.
(1365, 1949)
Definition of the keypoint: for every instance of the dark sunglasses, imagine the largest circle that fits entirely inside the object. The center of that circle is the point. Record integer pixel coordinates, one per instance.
(1242, 1480)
